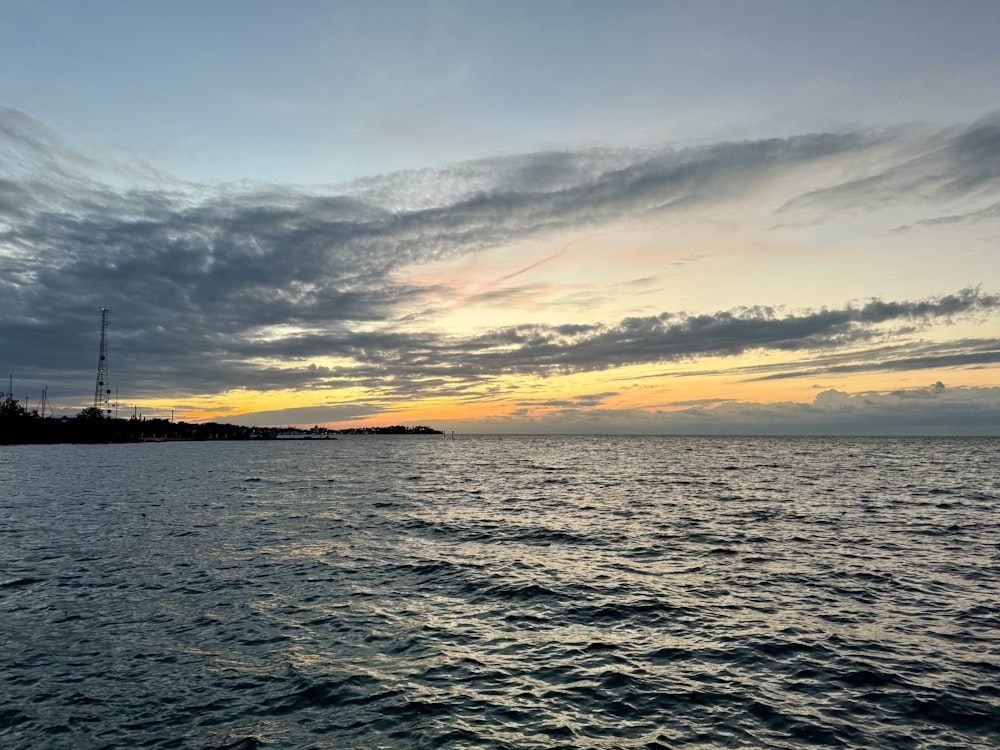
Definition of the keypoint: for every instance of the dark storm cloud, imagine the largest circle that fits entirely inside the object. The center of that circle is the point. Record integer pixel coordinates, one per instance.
(213, 286)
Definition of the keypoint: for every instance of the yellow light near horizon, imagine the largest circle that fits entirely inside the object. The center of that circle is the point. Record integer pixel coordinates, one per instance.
(652, 388)
(229, 404)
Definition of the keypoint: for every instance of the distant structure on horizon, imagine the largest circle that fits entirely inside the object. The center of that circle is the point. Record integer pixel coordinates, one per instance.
(102, 393)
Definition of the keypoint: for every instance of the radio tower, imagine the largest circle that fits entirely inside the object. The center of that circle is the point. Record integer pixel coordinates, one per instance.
(102, 394)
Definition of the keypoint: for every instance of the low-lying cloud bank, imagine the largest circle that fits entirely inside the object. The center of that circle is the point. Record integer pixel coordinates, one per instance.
(932, 410)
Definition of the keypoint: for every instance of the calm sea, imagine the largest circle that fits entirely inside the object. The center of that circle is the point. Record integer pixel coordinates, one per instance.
(502, 592)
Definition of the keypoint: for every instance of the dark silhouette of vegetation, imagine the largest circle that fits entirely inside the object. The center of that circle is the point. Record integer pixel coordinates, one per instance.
(17, 425)
(91, 412)
(17, 422)
(11, 409)
(91, 425)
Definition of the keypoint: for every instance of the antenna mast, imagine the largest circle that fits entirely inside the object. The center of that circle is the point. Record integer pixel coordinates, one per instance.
(44, 403)
(102, 394)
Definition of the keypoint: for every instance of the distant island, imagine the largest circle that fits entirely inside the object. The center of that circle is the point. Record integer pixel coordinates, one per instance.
(21, 426)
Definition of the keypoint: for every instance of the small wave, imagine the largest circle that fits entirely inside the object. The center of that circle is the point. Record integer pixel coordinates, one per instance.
(869, 678)
(644, 611)
(517, 592)
(18, 582)
(354, 689)
(544, 536)
(418, 708)
(245, 743)
(963, 714)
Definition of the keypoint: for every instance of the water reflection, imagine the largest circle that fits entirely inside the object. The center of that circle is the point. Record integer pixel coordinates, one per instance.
(491, 592)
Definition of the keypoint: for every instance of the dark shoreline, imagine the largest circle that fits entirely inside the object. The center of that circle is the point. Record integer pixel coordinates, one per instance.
(31, 430)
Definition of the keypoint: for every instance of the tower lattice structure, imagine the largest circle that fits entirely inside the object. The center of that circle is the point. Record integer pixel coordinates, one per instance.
(102, 393)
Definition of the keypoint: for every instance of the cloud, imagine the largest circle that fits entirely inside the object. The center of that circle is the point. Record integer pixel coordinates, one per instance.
(972, 411)
(939, 166)
(679, 336)
(576, 402)
(315, 415)
(971, 217)
(405, 365)
(963, 353)
(220, 287)
(940, 410)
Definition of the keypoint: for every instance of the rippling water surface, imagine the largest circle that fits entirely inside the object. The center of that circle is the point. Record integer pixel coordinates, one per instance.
(502, 592)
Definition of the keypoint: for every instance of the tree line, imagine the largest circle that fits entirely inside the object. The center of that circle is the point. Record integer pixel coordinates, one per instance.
(19, 425)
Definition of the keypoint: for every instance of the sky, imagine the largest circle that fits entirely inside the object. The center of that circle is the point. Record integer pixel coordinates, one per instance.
(712, 217)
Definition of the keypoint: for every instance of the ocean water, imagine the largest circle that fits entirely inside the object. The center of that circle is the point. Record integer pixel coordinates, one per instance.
(502, 592)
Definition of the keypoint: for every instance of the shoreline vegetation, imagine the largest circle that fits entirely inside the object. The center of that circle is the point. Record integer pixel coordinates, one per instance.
(20, 426)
